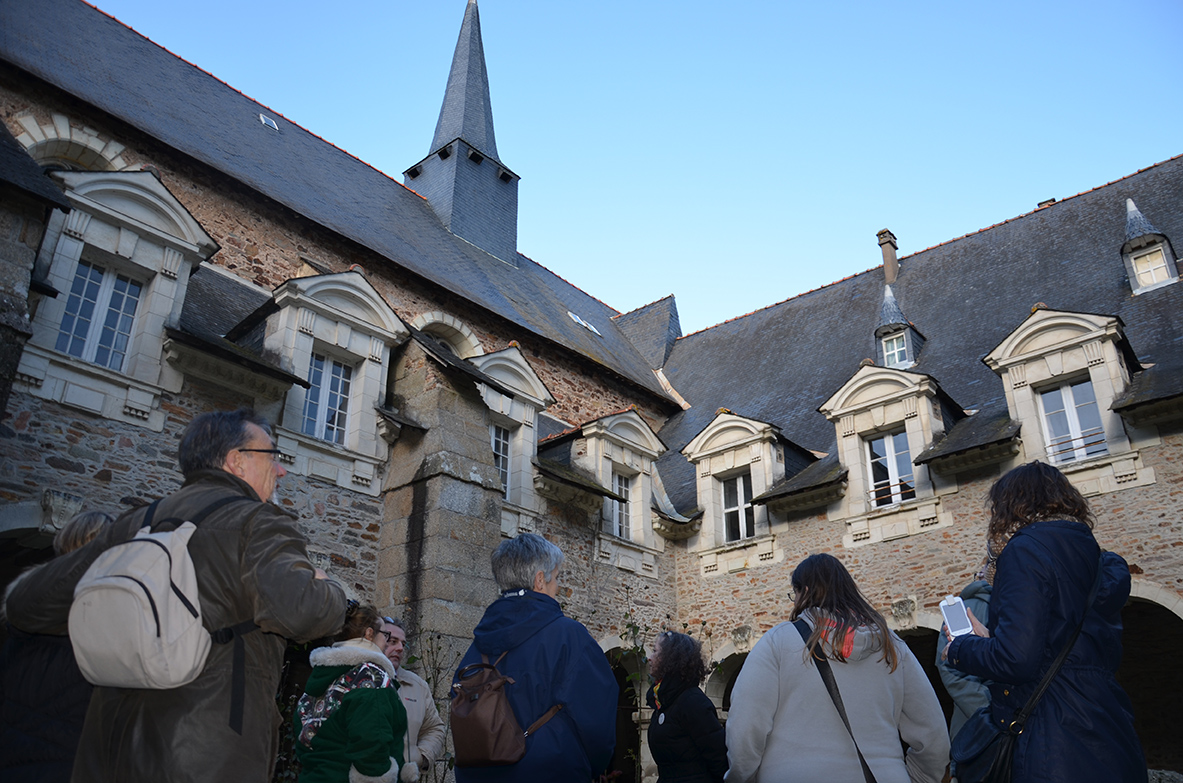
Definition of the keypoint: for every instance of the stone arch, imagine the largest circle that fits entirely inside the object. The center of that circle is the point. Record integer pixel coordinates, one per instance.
(68, 144)
(1047, 330)
(349, 293)
(722, 678)
(1157, 594)
(450, 330)
(873, 384)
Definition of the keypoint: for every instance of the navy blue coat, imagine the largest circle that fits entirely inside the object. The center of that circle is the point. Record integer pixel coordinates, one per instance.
(553, 660)
(1083, 727)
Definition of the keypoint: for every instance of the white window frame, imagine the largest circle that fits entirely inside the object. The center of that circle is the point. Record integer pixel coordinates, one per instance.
(339, 374)
(621, 512)
(1163, 264)
(895, 350)
(1079, 444)
(895, 486)
(501, 441)
(92, 339)
(743, 509)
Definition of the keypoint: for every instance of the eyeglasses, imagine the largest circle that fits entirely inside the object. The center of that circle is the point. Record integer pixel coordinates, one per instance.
(792, 594)
(276, 454)
(386, 634)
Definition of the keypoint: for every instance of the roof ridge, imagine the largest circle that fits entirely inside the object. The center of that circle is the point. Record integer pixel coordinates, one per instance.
(221, 81)
(1040, 209)
(642, 307)
(933, 247)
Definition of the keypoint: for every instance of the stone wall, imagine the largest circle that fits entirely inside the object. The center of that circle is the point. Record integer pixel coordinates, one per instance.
(1143, 524)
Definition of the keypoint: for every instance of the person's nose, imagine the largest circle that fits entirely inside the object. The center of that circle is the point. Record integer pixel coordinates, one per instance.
(280, 470)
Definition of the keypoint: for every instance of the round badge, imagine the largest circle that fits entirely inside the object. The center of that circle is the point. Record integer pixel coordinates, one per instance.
(661, 718)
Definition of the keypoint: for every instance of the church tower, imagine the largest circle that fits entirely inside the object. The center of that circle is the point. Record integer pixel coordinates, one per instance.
(472, 192)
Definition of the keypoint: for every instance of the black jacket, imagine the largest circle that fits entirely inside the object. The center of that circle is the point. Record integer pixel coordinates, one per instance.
(44, 699)
(685, 738)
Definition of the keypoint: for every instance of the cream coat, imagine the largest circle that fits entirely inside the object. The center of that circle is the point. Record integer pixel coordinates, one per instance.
(425, 728)
(783, 726)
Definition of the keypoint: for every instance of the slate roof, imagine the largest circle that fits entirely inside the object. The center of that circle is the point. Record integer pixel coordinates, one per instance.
(890, 313)
(652, 329)
(827, 470)
(984, 428)
(215, 303)
(780, 363)
(1160, 382)
(1136, 225)
(99, 60)
(22, 172)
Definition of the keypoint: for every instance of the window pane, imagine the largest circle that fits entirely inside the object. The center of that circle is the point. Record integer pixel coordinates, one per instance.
(1059, 446)
(337, 404)
(500, 442)
(312, 397)
(80, 307)
(730, 494)
(732, 520)
(1151, 268)
(750, 522)
(1092, 434)
(116, 331)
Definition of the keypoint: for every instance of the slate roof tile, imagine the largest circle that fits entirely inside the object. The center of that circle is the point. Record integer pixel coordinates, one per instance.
(22, 172)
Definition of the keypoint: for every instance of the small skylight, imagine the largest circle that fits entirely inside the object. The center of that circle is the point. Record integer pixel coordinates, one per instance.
(584, 323)
(270, 123)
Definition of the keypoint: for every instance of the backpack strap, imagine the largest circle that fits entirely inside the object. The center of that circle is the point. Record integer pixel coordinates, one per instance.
(827, 674)
(238, 674)
(233, 633)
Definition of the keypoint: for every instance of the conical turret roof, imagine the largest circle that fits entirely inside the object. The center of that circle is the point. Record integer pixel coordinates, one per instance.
(467, 112)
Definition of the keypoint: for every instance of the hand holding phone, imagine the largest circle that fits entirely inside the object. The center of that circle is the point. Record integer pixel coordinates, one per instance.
(956, 618)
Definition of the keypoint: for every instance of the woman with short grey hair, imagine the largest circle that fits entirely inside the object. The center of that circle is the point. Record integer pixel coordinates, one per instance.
(519, 561)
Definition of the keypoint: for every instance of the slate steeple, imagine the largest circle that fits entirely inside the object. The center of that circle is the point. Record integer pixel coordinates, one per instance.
(897, 341)
(470, 189)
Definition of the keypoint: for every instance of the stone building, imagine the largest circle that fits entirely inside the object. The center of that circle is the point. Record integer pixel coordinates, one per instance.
(184, 248)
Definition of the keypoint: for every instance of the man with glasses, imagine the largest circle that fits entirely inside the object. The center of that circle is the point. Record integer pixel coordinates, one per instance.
(254, 579)
(425, 729)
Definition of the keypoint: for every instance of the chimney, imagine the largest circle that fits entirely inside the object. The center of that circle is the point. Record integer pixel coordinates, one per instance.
(891, 266)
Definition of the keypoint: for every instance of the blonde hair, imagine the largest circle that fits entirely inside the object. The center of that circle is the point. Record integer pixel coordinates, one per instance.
(80, 530)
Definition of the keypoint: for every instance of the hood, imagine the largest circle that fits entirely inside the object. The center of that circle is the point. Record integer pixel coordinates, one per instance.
(328, 662)
(863, 645)
(1114, 590)
(979, 590)
(512, 619)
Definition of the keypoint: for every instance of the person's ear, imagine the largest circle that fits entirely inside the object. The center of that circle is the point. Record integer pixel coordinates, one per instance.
(370, 634)
(539, 581)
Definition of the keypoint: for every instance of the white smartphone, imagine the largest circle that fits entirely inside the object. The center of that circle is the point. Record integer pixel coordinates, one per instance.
(956, 618)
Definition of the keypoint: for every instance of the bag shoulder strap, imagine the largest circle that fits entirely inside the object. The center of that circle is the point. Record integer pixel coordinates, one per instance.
(827, 675)
(1016, 726)
(197, 518)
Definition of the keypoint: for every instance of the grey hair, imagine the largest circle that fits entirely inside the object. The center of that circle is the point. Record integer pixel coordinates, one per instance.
(395, 621)
(517, 560)
(80, 530)
(211, 436)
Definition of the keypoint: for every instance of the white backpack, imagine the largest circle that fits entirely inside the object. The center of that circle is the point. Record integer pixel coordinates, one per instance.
(136, 617)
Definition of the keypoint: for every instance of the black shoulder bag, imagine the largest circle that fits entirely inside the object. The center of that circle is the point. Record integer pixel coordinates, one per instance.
(983, 751)
(823, 668)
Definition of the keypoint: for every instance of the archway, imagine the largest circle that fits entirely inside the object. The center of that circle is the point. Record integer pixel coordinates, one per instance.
(631, 684)
(1151, 676)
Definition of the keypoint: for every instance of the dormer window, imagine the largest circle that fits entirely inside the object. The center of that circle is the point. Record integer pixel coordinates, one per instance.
(326, 403)
(1072, 422)
(1151, 268)
(739, 518)
(97, 324)
(890, 469)
(621, 517)
(895, 351)
(1149, 259)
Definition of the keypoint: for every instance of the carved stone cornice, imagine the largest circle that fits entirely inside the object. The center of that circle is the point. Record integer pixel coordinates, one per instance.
(674, 531)
(199, 364)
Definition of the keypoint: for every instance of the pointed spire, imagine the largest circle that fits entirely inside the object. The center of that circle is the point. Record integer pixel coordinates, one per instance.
(467, 112)
(890, 313)
(1135, 224)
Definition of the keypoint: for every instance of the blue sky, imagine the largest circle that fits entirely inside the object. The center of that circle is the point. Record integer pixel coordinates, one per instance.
(733, 155)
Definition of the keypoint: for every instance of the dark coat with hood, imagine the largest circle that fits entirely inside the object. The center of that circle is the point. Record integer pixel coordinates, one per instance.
(1083, 727)
(688, 743)
(553, 660)
(251, 564)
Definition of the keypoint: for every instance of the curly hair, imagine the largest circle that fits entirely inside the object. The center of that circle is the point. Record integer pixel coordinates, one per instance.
(681, 656)
(1030, 493)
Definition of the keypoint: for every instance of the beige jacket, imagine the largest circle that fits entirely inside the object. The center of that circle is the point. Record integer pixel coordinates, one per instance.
(424, 726)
